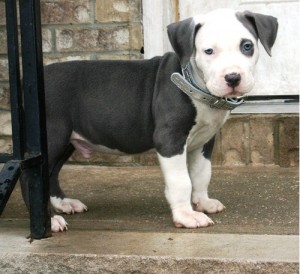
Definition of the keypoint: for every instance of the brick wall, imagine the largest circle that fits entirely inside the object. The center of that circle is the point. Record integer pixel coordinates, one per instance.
(72, 30)
(258, 139)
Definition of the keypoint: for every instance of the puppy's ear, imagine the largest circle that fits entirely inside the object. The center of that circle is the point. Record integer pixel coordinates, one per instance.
(264, 27)
(182, 37)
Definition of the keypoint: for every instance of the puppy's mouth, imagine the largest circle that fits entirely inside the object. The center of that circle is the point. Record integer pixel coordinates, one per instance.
(234, 94)
(229, 93)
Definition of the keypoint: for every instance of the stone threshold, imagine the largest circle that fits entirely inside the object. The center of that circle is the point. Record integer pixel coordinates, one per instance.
(127, 252)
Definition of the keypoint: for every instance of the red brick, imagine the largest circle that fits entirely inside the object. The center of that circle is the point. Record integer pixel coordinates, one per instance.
(235, 141)
(118, 11)
(262, 139)
(288, 140)
(97, 40)
(65, 11)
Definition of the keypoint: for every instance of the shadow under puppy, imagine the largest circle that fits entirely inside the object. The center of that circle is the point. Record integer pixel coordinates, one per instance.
(174, 103)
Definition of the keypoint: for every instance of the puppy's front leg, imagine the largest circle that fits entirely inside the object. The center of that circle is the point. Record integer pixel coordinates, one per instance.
(178, 192)
(200, 174)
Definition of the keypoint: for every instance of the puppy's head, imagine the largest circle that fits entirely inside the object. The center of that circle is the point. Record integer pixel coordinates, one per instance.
(223, 46)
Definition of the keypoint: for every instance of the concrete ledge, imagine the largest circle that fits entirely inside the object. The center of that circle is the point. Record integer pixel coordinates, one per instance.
(127, 252)
(267, 107)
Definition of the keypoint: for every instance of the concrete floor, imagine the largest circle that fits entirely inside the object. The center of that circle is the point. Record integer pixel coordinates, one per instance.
(262, 201)
(129, 225)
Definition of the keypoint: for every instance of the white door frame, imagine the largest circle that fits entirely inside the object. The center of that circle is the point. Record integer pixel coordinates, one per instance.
(157, 14)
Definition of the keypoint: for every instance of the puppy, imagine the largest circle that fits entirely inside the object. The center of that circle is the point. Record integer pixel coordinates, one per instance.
(175, 104)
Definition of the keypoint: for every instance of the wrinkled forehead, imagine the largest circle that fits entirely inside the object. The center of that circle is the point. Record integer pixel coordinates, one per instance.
(222, 25)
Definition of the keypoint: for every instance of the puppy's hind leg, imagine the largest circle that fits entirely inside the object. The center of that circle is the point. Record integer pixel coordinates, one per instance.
(59, 201)
(58, 223)
(59, 150)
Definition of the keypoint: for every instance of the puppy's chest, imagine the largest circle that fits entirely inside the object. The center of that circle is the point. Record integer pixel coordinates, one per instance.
(207, 124)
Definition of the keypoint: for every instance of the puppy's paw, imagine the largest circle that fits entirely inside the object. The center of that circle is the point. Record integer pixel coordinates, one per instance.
(67, 205)
(208, 205)
(191, 219)
(58, 224)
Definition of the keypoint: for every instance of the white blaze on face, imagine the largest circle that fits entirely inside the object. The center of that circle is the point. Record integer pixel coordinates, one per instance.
(218, 53)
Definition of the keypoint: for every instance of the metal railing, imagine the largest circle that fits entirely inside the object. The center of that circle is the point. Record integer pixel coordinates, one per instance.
(27, 100)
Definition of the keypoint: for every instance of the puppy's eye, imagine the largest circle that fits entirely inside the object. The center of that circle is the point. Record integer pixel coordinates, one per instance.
(247, 47)
(209, 51)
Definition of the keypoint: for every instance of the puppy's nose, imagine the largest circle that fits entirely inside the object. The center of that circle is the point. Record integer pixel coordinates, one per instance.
(233, 79)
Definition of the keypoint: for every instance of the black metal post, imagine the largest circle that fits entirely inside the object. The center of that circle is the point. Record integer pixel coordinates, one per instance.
(34, 105)
(11, 171)
(17, 115)
(28, 116)
(9, 176)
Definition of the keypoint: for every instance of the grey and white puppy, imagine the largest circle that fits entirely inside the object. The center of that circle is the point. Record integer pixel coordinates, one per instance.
(133, 106)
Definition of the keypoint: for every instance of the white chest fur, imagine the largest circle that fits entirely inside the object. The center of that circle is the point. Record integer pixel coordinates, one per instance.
(207, 124)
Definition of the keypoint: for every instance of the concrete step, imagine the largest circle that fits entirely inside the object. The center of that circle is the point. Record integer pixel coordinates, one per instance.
(154, 252)
(128, 228)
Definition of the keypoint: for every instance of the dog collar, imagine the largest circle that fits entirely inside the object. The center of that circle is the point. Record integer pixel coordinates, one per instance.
(188, 85)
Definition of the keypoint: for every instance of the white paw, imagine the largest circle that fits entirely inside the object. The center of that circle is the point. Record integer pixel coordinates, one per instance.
(67, 205)
(191, 219)
(58, 224)
(208, 205)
